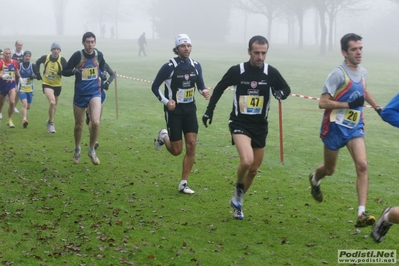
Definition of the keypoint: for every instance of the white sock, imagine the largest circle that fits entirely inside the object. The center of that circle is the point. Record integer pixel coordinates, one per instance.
(361, 210)
(316, 183)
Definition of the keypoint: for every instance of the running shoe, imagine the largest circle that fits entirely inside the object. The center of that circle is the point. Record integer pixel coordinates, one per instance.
(10, 123)
(381, 227)
(16, 110)
(237, 199)
(50, 127)
(316, 191)
(1, 116)
(158, 143)
(364, 220)
(25, 123)
(183, 187)
(94, 158)
(238, 214)
(76, 156)
(96, 145)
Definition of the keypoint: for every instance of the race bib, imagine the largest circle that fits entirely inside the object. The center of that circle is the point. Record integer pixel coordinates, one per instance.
(28, 85)
(50, 73)
(185, 95)
(345, 117)
(251, 104)
(89, 73)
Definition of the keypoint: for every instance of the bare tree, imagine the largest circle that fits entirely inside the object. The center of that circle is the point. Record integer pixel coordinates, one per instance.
(59, 12)
(321, 7)
(145, 9)
(121, 11)
(271, 9)
(103, 11)
(334, 7)
(99, 11)
(296, 8)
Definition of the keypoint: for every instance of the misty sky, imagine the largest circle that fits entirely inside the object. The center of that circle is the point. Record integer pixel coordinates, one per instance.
(37, 18)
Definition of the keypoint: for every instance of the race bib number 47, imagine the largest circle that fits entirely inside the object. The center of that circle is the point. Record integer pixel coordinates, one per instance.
(251, 104)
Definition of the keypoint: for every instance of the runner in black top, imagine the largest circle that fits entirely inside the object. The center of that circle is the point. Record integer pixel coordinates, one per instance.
(180, 76)
(254, 82)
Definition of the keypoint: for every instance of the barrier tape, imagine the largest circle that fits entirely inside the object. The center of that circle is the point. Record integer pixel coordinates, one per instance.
(210, 88)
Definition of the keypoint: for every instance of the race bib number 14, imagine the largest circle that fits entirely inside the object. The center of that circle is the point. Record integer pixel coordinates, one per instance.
(89, 73)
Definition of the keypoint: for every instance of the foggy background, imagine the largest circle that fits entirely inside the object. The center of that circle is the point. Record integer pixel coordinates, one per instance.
(323, 21)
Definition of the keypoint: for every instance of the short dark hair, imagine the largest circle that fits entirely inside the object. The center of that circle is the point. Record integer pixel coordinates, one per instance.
(259, 39)
(88, 35)
(347, 38)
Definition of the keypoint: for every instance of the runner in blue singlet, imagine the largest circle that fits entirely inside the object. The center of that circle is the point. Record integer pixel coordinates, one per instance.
(86, 65)
(342, 98)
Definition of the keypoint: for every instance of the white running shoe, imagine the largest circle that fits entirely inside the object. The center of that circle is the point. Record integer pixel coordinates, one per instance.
(76, 156)
(16, 110)
(238, 214)
(381, 227)
(158, 143)
(94, 158)
(183, 187)
(1, 116)
(50, 127)
(237, 199)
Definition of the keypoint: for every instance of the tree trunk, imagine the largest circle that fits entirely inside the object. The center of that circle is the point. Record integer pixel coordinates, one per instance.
(323, 37)
(330, 33)
(300, 24)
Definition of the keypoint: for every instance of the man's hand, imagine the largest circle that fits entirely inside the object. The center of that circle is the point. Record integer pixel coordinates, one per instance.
(105, 86)
(38, 76)
(171, 105)
(103, 76)
(206, 94)
(207, 116)
(356, 102)
(279, 95)
(22, 82)
(378, 109)
(5, 76)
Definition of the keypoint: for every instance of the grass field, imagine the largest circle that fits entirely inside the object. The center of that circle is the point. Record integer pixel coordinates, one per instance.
(127, 210)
